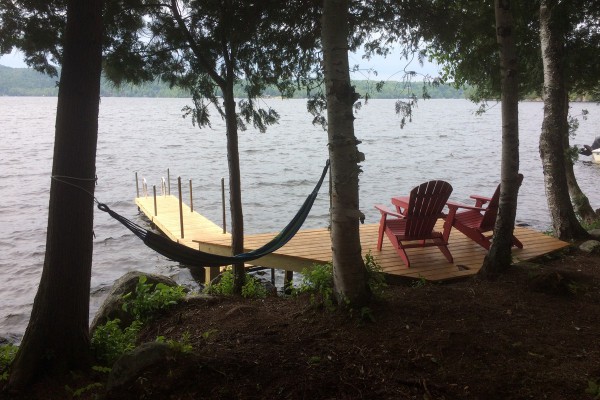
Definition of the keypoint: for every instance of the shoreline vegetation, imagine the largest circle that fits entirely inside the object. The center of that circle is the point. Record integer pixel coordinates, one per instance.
(28, 82)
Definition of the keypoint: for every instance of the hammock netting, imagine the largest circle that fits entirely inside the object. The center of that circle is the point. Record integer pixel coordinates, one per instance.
(196, 258)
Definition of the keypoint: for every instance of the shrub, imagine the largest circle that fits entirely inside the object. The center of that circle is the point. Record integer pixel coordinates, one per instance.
(593, 388)
(183, 346)
(319, 282)
(252, 287)
(7, 355)
(224, 286)
(376, 278)
(110, 341)
(591, 225)
(148, 300)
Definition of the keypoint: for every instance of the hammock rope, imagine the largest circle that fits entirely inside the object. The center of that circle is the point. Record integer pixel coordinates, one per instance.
(197, 258)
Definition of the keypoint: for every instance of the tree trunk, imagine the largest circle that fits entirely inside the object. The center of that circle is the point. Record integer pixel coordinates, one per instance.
(349, 273)
(555, 129)
(579, 200)
(500, 255)
(235, 185)
(57, 337)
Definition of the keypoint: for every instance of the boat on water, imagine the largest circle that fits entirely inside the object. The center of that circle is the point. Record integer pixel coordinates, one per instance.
(596, 156)
(593, 150)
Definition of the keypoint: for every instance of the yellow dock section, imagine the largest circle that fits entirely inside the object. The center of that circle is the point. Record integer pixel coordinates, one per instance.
(313, 246)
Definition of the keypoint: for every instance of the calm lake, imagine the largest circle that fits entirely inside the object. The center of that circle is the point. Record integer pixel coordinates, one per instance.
(445, 140)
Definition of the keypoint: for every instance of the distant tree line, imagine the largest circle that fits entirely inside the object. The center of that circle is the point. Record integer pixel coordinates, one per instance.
(28, 82)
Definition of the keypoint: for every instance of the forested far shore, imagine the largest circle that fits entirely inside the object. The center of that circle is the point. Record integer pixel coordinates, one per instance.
(28, 82)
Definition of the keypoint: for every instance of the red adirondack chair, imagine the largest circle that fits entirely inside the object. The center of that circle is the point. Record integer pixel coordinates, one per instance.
(477, 222)
(412, 225)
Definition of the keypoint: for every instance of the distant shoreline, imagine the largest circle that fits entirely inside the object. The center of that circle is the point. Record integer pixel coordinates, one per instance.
(30, 83)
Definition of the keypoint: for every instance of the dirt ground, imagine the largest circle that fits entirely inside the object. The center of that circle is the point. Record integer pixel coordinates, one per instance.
(531, 334)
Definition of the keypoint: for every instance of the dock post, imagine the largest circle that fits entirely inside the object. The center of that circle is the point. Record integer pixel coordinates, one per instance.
(287, 281)
(211, 273)
(155, 210)
(191, 198)
(180, 205)
(223, 204)
(137, 185)
(169, 183)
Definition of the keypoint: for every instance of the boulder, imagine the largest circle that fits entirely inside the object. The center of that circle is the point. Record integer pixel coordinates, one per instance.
(595, 233)
(559, 283)
(590, 246)
(153, 371)
(113, 305)
(132, 365)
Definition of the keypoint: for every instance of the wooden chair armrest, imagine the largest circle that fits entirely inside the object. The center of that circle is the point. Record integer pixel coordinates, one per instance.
(480, 200)
(401, 203)
(454, 205)
(386, 211)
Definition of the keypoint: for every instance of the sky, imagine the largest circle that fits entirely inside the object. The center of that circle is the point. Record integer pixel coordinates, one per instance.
(389, 68)
(13, 60)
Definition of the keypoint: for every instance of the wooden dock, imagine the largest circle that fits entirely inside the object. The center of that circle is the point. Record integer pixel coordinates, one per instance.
(313, 246)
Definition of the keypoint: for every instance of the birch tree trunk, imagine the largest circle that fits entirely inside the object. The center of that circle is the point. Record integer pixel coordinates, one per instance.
(555, 129)
(500, 255)
(580, 201)
(349, 273)
(57, 336)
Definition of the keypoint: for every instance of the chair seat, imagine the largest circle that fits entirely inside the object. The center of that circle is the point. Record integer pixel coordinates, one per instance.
(477, 223)
(397, 227)
(469, 218)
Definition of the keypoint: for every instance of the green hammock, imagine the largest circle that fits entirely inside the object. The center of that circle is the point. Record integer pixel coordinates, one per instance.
(196, 258)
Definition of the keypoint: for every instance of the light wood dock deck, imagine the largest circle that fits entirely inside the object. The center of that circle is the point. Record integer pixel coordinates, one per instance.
(313, 246)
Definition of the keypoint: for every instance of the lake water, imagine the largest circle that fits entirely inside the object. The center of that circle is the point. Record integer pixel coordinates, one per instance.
(445, 141)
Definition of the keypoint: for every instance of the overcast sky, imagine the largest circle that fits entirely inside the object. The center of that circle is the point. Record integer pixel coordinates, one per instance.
(390, 68)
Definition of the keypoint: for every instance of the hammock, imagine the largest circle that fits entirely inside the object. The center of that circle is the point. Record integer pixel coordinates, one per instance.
(196, 258)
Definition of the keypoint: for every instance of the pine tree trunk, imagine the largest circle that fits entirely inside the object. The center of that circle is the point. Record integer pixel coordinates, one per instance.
(500, 255)
(555, 129)
(350, 278)
(235, 185)
(57, 337)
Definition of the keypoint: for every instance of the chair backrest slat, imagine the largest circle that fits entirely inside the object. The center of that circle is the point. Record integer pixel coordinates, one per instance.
(489, 216)
(425, 207)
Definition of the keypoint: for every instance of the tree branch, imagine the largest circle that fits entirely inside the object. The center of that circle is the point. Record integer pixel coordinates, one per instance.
(194, 46)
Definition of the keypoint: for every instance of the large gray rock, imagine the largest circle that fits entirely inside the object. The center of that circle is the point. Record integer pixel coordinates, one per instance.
(595, 233)
(130, 366)
(590, 246)
(113, 305)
